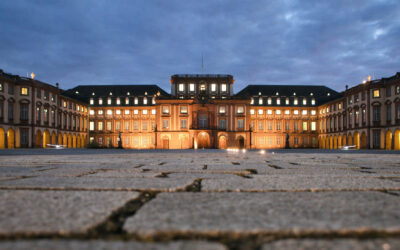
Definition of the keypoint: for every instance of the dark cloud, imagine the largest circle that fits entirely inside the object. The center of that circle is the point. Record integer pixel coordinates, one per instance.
(333, 43)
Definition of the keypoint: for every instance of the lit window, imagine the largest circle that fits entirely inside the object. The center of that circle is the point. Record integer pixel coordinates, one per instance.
(240, 110)
(181, 87)
(135, 112)
(213, 87)
(91, 126)
(260, 101)
(304, 101)
(222, 109)
(91, 112)
(165, 123)
(109, 101)
(278, 112)
(278, 101)
(376, 93)
(240, 123)
(251, 111)
(91, 101)
(287, 112)
(183, 123)
(252, 101)
(126, 111)
(223, 87)
(203, 87)
(118, 112)
(296, 112)
(269, 112)
(287, 101)
(153, 100)
(304, 126)
(100, 125)
(145, 100)
(136, 101)
(100, 112)
(24, 91)
(1, 87)
(165, 109)
(109, 125)
(127, 100)
(260, 111)
(100, 101)
(313, 112)
(144, 112)
(313, 126)
(340, 106)
(304, 112)
(184, 110)
(295, 102)
(269, 101)
(191, 87)
(118, 101)
(153, 111)
(109, 112)
(117, 125)
(313, 101)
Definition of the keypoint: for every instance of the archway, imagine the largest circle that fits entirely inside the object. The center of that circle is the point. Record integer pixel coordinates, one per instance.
(65, 140)
(38, 139)
(330, 142)
(397, 139)
(323, 142)
(2, 139)
(335, 142)
(46, 138)
(165, 142)
(83, 144)
(344, 140)
(10, 138)
(388, 140)
(363, 142)
(74, 141)
(222, 142)
(60, 139)
(356, 140)
(78, 141)
(53, 138)
(327, 142)
(69, 141)
(350, 140)
(240, 142)
(203, 140)
(339, 141)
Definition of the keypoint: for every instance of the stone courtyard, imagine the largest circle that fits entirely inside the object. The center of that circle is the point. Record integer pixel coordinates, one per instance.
(204, 199)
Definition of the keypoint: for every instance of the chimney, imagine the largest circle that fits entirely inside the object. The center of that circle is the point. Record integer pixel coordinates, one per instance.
(347, 87)
(57, 85)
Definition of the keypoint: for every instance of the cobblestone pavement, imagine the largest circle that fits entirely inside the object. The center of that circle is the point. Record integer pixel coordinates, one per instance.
(211, 199)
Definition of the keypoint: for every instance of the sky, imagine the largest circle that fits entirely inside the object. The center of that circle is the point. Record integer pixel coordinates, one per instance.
(83, 42)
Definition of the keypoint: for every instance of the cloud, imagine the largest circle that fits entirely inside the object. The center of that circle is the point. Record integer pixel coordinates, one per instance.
(144, 42)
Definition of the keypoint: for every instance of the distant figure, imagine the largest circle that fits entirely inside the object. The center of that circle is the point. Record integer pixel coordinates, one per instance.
(119, 140)
(287, 141)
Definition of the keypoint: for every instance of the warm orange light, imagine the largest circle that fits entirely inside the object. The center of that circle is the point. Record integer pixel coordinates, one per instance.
(369, 78)
(32, 75)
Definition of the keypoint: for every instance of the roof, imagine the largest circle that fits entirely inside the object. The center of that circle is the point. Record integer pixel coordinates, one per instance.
(85, 92)
(322, 94)
(202, 75)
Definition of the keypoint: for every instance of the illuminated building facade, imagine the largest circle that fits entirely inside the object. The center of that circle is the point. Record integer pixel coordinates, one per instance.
(201, 111)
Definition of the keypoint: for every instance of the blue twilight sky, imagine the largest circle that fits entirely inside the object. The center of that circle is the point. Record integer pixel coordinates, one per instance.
(319, 42)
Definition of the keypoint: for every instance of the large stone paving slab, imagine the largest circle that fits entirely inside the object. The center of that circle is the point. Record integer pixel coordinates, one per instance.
(94, 183)
(274, 212)
(36, 212)
(335, 244)
(299, 183)
(98, 244)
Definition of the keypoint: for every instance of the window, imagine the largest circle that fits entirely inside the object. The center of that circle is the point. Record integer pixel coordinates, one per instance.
(295, 102)
(126, 111)
(363, 117)
(126, 140)
(269, 101)
(260, 125)
(376, 93)
(165, 109)
(91, 126)
(296, 112)
(240, 123)
(39, 94)
(109, 126)
(109, 101)
(304, 112)
(144, 126)
(251, 101)
(91, 112)
(109, 112)
(377, 113)
(260, 101)
(1, 111)
(100, 126)
(260, 111)
(278, 125)
(304, 101)
(222, 124)
(144, 111)
(126, 124)
(223, 87)
(100, 101)
(100, 112)
(184, 109)
(398, 89)
(10, 89)
(313, 126)
(213, 87)
(287, 101)
(202, 87)
(240, 110)
(269, 140)
(191, 87)
(24, 91)
(165, 124)
(388, 113)
(287, 126)
(135, 112)
(153, 111)
(287, 112)
(313, 112)
(269, 124)
(145, 100)
(313, 101)
(118, 101)
(278, 140)
(136, 101)
(24, 112)
(295, 126)
(181, 87)
(251, 111)
(304, 126)
(46, 115)
(269, 112)
(153, 101)
(127, 100)
(1, 87)
(357, 116)
(183, 123)
(356, 97)
(278, 101)
(118, 111)
(388, 91)
(261, 140)
(278, 112)
(136, 125)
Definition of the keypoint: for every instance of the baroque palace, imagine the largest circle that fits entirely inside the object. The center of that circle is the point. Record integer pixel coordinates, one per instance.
(200, 112)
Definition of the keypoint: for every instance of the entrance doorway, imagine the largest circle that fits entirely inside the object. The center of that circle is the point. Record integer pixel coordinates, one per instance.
(241, 142)
(165, 143)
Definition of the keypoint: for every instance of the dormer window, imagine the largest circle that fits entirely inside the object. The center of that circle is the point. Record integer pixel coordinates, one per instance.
(136, 101)
(223, 87)
(91, 101)
(304, 101)
(181, 87)
(313, 101)
(269, 101)
(296, 101)
(191, 87)
(109, 101)
(260, 101)
(202, 87)
(153, 101)
(127, 100)
(213, 87)
(128, 93)
(278, 101)
(145, 100)
(110, 93)
(100, 101)
(252, 101)
(118, 101)
(287, 101)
